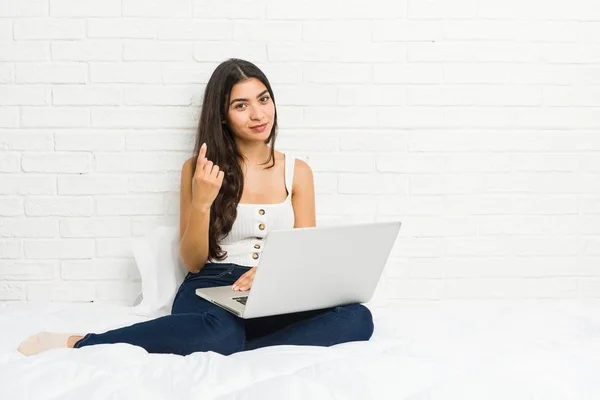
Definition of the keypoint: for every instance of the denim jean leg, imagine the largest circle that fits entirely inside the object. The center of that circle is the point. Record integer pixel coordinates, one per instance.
(341, 324)
(195, 324)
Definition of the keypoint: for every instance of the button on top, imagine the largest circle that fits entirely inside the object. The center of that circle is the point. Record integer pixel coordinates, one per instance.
(255, 255)
(257, 246)
(261, 211)
(261, 227)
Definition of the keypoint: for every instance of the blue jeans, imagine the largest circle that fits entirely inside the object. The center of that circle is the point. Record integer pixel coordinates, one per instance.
(198, 325)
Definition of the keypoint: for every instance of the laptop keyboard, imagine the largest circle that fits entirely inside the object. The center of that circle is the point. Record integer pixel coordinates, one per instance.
(241, 299)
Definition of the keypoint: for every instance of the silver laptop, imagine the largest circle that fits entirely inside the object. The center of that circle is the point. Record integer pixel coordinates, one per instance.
(312, 268)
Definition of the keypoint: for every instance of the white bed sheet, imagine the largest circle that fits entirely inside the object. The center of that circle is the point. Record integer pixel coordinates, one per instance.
(528, 349)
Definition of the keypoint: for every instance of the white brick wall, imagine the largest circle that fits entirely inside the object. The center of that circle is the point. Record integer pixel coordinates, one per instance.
(475, 122)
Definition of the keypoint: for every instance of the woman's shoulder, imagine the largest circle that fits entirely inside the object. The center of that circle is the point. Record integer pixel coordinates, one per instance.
(302, 170)
(187, 167)
(281, 157)
(189, 162)
(302, 176)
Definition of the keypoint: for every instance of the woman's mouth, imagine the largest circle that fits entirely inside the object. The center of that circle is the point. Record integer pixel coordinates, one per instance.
(259, 128)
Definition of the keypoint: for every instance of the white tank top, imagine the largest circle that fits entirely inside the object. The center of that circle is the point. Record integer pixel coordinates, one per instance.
(244, 244)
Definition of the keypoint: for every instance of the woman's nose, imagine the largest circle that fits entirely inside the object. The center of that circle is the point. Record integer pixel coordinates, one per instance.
(256, 114)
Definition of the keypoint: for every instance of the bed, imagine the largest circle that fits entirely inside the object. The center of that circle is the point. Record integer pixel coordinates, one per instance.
(459, 349)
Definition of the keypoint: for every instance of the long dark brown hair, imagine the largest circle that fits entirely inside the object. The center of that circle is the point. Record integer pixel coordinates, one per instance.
(221, 147)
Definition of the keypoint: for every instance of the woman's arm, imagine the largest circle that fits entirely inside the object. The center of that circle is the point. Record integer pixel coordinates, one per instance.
(303, 196)
(193, 225)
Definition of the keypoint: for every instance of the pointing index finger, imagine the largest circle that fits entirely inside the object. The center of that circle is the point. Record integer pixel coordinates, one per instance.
(201, 156)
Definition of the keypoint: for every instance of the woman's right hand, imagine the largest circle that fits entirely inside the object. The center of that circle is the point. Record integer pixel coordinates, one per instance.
(206, 182)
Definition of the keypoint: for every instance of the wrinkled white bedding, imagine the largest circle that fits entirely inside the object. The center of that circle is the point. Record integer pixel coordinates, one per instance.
(449, 350)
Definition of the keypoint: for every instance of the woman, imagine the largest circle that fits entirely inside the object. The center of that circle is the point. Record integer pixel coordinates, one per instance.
(234, 190)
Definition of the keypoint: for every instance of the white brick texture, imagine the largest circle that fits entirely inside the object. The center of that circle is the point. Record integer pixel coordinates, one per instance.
(474, 122)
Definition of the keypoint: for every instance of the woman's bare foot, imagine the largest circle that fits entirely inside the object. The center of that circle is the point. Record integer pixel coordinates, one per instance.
(72, 340)
(45, 341)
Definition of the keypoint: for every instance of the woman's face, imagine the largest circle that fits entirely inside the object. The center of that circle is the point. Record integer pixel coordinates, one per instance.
(251, 111)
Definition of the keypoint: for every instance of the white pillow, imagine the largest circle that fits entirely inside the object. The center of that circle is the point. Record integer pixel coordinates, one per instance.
(161, 270)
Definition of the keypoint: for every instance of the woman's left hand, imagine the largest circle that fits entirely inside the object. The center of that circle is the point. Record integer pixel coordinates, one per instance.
(245, 281)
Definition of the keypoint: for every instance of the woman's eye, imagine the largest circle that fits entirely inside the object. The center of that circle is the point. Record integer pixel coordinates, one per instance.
(264, 99)
(240, 106)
